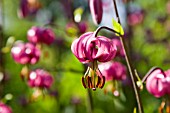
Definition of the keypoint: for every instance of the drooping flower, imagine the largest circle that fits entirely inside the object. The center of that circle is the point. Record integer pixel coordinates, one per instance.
(96, 10)
(157, 83)
(4, 108)
(40, 78)
(41, 35)
(28, 7)
(90, 49)
(113, 70)
(25, 53)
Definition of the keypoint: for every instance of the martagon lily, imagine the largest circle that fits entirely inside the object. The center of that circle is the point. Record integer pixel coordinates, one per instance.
(90, 49)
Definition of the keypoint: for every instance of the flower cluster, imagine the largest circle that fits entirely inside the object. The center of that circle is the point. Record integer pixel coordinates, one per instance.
(29, 53)
(158, 82)
(4, 108)
(90, 49)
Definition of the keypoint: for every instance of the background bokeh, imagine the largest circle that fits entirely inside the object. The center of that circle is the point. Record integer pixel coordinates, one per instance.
(146, 24)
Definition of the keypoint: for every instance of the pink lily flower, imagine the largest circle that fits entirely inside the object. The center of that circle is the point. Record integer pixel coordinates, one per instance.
(25, 53)
(89, 48)
(156, 83)
(113, 70)
(41, 35)
(40, 78)
(4, 108)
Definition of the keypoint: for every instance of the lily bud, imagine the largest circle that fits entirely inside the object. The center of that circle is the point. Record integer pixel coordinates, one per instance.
(96, 10)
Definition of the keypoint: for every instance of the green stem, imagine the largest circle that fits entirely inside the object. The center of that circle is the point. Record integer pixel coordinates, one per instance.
(90, 101)
(130, 68)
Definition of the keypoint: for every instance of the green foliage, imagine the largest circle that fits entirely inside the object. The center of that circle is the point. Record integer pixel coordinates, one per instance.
(148, 42)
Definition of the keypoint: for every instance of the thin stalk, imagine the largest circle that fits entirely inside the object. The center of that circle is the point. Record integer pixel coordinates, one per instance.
(130, 68)
(90, 101)
(150, 71)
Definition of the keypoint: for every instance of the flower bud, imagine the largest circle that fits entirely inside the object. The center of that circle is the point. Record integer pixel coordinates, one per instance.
(96, 10)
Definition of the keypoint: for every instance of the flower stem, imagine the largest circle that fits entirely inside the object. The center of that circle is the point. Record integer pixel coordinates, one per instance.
(90, 101)
(130, 68)
(150, 71)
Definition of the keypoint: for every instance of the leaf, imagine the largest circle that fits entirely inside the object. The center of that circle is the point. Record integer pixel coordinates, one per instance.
(134, 110)
(117, 27)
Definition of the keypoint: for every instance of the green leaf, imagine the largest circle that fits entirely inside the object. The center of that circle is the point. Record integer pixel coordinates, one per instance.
(117, 27)
(134, 110)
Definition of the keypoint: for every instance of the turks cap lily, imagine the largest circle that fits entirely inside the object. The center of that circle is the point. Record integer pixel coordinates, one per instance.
(113, 70)
(90, 49)
(4, 108)
(96, 10)
(25, 53)
(40, 78)
(157, 83)
(41, 35)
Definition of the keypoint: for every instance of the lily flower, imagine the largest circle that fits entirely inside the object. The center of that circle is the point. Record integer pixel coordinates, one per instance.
(41, 35)
(4, 108)
(113, 70)
(157, 83)
(25, 53)
(90, 49)
(40, 78)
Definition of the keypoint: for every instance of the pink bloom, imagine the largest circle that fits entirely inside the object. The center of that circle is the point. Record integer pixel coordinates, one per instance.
(28, 7)
(88, 48)
(4, 108)
(40, 78)
(156, 83)
(25, 53)
(96, 10)
(40, 34)
(167, 80)
(120, 51)
(113, 70)
(135, 18)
